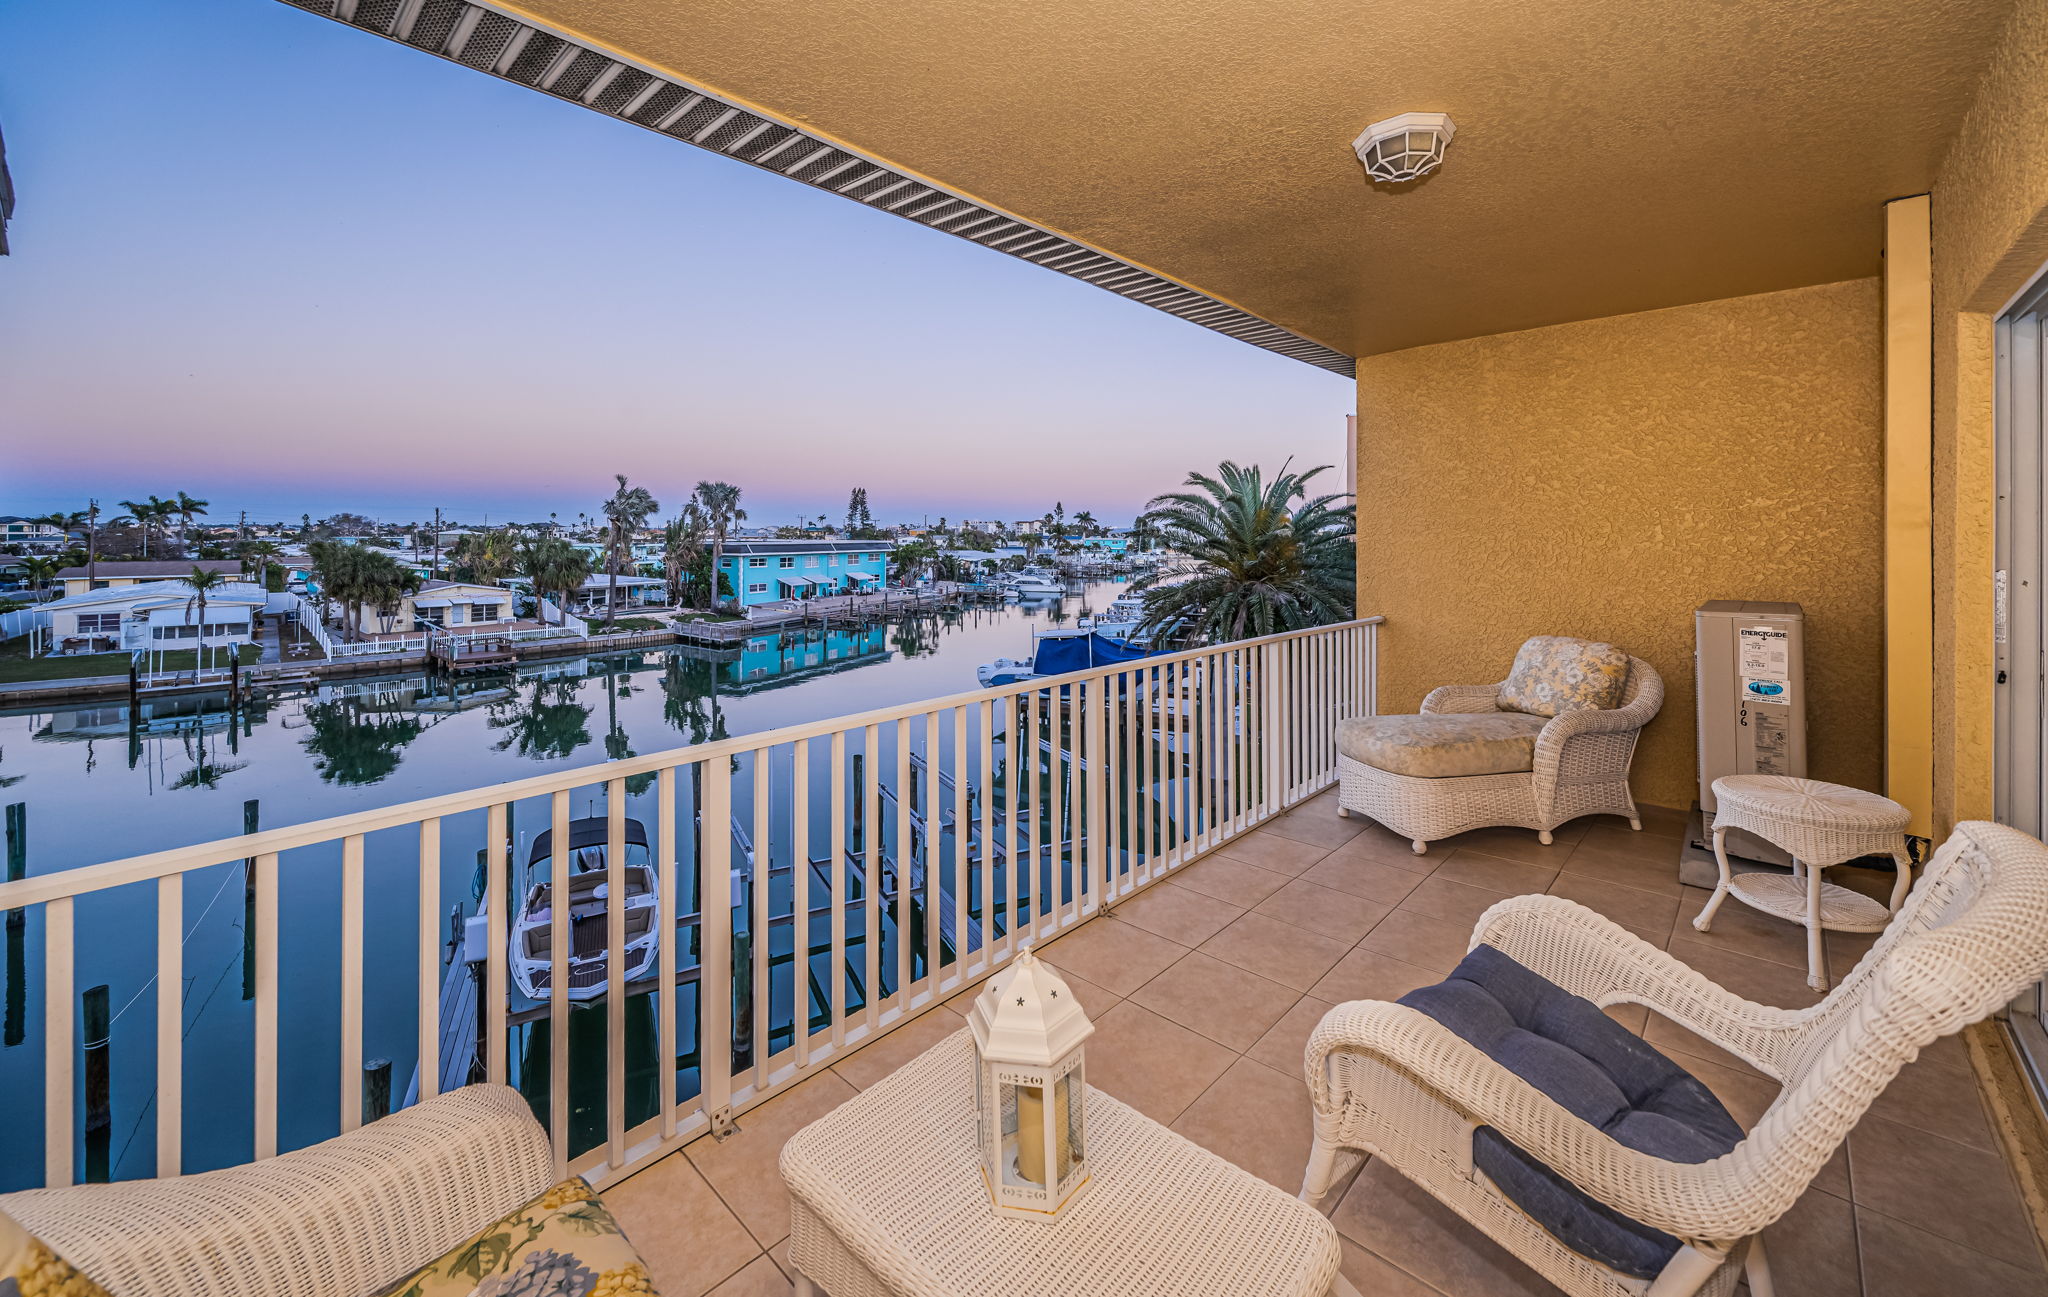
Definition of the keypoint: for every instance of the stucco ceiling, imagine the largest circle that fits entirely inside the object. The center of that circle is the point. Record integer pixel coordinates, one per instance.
(1610, 157)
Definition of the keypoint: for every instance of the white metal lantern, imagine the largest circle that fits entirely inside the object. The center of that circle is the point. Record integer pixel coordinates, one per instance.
(1407, 147)
(1029, 1089)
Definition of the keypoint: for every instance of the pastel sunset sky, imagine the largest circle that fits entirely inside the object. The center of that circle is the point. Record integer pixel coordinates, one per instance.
(290, 267)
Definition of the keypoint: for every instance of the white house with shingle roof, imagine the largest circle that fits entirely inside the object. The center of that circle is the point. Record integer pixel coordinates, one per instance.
(160, 615)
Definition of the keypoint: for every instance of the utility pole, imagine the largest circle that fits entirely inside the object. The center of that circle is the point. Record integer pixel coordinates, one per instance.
(242, 527)
(436, 569)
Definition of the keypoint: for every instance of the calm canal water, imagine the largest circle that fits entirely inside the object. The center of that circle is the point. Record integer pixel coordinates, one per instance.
(91, 784)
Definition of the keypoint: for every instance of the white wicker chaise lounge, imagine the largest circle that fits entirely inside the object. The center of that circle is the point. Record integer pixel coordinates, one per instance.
(1550, 743)
(1509, 1095)
(346, 1218)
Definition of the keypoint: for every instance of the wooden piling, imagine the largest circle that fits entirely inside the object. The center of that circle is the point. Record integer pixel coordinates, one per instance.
(99, 1101)
(860, 803)
(376, 1089)
(16, 1027)
(250, 817)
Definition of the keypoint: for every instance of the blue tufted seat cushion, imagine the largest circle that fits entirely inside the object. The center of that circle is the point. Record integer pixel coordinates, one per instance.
(1597, 1070)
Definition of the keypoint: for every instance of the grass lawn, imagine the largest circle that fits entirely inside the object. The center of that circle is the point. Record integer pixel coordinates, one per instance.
(16, 666)
(708, 616)
(182, 660)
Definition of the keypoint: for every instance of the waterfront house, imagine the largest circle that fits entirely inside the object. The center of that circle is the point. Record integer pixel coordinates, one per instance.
(157, 615)
(111, 575)
(635, 592)
(458, 607)
(766, 571)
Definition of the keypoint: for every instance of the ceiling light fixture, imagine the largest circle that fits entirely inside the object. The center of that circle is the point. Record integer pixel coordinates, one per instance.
(1404, 148)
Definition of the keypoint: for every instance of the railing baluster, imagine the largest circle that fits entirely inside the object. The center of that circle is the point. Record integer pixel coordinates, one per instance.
(871, 873)
(1101, 852)
(615, 893)
(835, 850)
(760, 933)
(800, 900)
(934, 901)
(1144, 847)
(1272, 727)
(1013, 819)
(714, 929)
(1115, 770)
(429, 967)
(1027, 754)
(170, 1012)
(60, 1045)
(985, 857)
(905, 861)
(665, 911)
(497, 955)
(961, 833)
(559, 937)
(1205, 746)
(1060, 709)
(351, 982)
(265, 1026)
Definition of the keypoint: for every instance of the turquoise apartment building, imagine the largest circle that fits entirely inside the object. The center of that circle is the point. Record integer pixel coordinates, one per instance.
(765, 571)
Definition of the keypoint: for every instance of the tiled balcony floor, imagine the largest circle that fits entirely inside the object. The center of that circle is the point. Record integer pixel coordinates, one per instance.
(1204, 989)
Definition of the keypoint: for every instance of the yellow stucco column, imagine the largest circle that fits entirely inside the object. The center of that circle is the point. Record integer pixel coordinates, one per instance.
(1908, 509)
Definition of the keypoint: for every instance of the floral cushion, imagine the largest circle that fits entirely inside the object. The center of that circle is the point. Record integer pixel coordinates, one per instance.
(562, 1244)
(28, 1268)
(1439, 747)
(1555, 673)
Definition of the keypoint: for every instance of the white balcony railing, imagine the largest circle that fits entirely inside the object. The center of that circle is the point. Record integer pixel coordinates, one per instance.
(898, 889)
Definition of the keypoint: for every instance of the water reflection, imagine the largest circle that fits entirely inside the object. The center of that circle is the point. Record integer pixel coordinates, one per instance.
(546, 724)
(351, 744)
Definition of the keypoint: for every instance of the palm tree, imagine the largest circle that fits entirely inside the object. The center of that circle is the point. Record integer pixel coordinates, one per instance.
(1267, 557)
(202, 580)
(39, 571)
(624, 514)
(555, 567)
(682, 548)
(186, 508)
(256, 556)
(1085, 521)
(149, 515)
(486, 555)
(721, 504)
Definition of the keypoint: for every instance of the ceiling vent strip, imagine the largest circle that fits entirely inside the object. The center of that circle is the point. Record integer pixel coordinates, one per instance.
(485, 39)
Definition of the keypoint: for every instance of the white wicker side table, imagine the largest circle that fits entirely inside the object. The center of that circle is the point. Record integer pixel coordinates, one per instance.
(887, 1200)
(1818, 825)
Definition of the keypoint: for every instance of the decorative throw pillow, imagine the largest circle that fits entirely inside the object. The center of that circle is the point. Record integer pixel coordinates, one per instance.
(28, 1268)
(1556, 673)
(562, 1244)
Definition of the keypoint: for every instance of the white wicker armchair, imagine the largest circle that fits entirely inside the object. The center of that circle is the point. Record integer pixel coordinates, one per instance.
(346, 1218)
(1581, 768)
(1388, 1080)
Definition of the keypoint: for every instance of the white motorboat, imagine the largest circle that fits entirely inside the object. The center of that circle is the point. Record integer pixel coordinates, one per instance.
(1034, 584)
(1120, 618)
(591, 877)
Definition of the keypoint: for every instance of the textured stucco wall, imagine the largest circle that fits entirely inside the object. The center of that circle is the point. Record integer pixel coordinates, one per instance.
(1990, 235)
(1604, 478)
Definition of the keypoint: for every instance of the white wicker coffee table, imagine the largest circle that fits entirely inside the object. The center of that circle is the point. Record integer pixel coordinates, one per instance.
(1818, 825)
(887, 1200)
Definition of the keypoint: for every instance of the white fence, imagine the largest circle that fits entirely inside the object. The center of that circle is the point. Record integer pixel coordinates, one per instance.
(878, 864)
(550, 615)
(23, 620)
